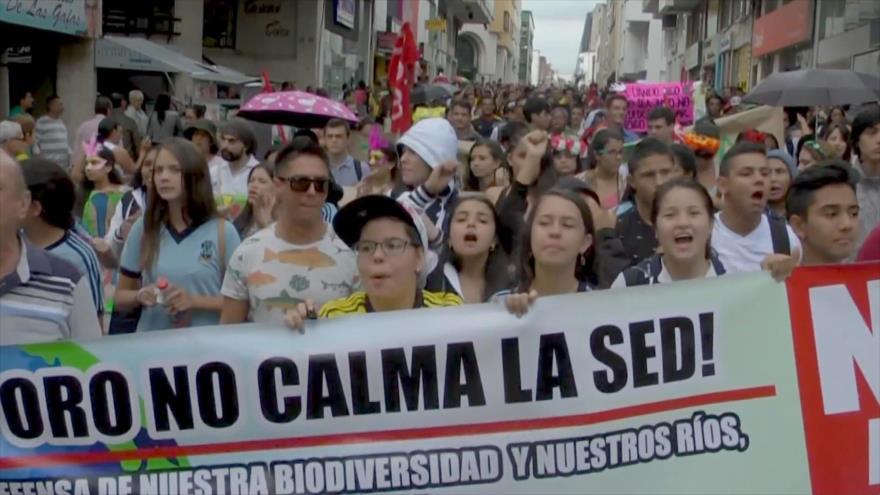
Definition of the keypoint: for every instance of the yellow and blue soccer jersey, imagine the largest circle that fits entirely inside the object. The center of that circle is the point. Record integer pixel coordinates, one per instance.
(358, 303)
(188, 259)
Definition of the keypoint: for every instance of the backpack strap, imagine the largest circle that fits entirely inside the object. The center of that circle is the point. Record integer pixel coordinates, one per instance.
(779, 234)
(646, 272)
(221, 247)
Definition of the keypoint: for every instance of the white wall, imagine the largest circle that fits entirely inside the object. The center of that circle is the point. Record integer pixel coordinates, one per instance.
(289, 51)
(642, 45)
(488, 60)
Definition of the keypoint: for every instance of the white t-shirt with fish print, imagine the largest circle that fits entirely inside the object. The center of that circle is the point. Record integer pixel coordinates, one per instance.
(274, 275)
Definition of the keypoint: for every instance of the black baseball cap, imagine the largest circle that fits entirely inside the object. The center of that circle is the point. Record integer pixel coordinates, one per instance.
(351, 219)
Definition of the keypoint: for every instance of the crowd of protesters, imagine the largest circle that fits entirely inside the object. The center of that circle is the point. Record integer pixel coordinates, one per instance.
(509, 194)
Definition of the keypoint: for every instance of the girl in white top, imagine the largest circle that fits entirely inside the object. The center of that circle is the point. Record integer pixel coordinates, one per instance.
(683, 218)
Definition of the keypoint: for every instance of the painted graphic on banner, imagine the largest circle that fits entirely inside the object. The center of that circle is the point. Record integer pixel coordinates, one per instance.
(585, 393)
(644, 97)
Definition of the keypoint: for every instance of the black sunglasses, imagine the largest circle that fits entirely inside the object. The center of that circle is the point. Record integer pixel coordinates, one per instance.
(301, 184)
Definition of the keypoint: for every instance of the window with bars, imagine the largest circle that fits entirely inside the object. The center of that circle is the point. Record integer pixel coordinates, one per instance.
(220, 22)
(146, 18)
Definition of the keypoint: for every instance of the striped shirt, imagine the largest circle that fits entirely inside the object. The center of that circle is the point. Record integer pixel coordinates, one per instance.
(52, 140)
(44, 299)
(358, 303)
(81, 255)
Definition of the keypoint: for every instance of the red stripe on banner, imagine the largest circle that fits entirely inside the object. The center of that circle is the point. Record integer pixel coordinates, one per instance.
(392, 435)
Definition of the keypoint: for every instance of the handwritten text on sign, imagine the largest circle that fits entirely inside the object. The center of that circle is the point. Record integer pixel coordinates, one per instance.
(644, 97)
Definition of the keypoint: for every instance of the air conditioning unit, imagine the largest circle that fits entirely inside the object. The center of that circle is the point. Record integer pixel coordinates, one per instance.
(670, 21)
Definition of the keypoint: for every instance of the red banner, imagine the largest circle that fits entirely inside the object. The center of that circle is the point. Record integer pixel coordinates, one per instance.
(401, 72)
(835, 315)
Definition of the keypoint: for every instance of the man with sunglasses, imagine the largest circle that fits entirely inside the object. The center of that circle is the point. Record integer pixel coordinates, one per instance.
(298, 258)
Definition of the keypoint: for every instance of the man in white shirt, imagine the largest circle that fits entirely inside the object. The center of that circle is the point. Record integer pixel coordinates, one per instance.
(747, 237)
(51, 135)
(135, 111)
(237, 146)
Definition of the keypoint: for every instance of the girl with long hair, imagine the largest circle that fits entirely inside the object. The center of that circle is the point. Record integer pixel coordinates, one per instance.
(259, 212)
(164, 122)
(837, 137)
(604, 156)
(474, 261)
(557, 247)
(683, 217)
(102, 189)
(175, 256)
(487, 170)
(567, 154)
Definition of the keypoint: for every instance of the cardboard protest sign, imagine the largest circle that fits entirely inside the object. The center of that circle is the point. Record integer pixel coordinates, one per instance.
(716, 386)
(644, 97)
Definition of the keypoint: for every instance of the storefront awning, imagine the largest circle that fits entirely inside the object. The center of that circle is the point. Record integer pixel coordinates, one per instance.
(141, 54)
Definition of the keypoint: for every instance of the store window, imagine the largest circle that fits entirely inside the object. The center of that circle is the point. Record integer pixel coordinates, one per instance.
(220, 20)
(146, 18)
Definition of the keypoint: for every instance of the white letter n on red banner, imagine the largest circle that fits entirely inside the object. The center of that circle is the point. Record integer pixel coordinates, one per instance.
(845, 342)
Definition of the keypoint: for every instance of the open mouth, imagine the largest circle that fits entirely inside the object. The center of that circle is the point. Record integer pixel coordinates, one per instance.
(470, 237)
(683, 239)
(758, 195)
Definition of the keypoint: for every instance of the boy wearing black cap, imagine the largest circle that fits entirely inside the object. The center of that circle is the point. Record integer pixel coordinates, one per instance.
(390, 241)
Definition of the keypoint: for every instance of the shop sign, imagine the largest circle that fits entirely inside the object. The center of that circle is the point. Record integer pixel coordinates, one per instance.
(436, 25)
(784, 27)
(76, 17)
(19, 55)
(385, 41)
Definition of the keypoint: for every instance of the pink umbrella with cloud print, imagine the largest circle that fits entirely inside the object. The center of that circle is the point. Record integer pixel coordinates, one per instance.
(295, 108)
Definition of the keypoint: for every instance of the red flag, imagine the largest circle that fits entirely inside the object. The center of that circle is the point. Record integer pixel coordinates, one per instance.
(401, 71)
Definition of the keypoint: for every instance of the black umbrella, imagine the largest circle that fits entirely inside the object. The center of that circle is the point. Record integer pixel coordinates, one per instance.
(426, 93)
(809, 87)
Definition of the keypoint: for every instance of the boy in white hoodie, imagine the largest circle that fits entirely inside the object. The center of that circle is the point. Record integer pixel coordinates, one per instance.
(428, 168)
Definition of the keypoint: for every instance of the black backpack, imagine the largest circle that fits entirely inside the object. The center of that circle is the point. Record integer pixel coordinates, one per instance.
(648, 271)
(779, 234)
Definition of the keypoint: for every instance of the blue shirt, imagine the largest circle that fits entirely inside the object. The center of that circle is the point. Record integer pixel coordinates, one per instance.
(346, 174)
(81, 255)
(189, 260)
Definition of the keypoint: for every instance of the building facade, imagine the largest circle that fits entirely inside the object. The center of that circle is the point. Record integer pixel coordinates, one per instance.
(495, 44)
(50, 55)
(526, 46)
(737, 43)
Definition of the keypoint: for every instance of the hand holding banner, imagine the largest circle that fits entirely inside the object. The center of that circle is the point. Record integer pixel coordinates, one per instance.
(585, 393)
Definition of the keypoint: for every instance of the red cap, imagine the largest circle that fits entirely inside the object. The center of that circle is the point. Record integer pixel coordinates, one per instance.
(162, 283)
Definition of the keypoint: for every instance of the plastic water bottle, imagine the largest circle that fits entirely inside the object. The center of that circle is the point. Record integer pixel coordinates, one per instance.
(161, 285)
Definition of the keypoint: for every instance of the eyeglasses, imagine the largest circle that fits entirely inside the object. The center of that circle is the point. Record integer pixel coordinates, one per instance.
(392, 246)
(301, 184)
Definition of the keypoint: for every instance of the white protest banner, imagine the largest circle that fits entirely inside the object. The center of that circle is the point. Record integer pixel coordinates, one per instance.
(702, 387)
